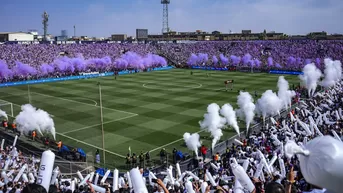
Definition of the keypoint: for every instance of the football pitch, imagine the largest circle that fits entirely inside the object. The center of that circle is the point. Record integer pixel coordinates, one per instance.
(146, 111)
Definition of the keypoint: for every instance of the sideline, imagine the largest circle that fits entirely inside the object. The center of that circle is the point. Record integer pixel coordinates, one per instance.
(79, 141)
(165, 145)
(83, 128)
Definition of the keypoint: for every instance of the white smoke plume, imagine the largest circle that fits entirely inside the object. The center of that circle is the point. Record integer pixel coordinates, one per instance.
(3, 114)
(230, 116)
(310, 78)
(269, 104)
(213, 122)
(284, 93)
(332, 72)
(192, 141)
(246, 108)
(30, 119)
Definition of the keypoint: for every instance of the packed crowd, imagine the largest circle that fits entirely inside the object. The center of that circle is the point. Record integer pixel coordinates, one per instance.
(298, 153)
(290, 54)
(262, 162)
(45, 59)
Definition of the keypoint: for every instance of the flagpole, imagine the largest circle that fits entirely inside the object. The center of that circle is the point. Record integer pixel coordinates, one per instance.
(102, 123)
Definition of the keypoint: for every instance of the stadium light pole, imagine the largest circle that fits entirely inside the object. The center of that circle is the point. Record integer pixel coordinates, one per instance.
(102, 124)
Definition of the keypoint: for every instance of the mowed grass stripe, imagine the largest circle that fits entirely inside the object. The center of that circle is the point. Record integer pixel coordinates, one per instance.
(164, 115)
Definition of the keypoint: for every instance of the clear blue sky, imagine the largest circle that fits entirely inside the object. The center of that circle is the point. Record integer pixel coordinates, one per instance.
(104, 17)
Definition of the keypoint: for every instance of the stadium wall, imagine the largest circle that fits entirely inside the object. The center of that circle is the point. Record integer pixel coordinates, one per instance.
(83, 76)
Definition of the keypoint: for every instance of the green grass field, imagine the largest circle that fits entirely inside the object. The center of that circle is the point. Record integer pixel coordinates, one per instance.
(146, 111)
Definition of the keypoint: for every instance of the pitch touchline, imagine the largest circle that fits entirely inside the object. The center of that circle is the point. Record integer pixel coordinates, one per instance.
(83, 103)
(182, 139)
(79, 141)
(83, 128)
(171, 143)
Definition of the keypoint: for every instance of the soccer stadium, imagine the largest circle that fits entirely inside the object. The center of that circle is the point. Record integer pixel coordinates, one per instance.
(177, 112)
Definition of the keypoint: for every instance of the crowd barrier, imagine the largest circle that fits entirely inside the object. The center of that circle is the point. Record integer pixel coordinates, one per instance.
(232, 68)
(85, 76)
(209, 68)
(285, 72)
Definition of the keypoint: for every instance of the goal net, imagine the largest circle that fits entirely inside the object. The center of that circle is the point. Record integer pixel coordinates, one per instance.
(6, 110)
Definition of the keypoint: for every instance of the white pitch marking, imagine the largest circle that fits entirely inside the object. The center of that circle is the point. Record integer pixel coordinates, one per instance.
(79, 141)
(165, 145)
(83, 128)
(83, 103)
(182, 139)
(86, 99)
(85, 142)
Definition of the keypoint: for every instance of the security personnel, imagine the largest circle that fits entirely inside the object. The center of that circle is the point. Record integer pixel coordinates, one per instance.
(174, 155)
(47, 142)
(147, 158)
(128, 161)
(141, 160)
(14, 127)
(34, 135)
(227, 150)
(5, 124)
(59, 145)
(134, 160)
(163, 154)
(216, 157)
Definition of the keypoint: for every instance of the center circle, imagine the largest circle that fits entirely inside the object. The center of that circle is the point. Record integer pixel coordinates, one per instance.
(172, 86)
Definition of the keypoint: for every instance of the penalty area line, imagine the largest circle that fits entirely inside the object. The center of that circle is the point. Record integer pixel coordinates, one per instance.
(83, 128)
(79, 141)
(65, 99)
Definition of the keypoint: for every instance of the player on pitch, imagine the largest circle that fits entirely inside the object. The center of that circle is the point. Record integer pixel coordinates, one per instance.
(227, 83)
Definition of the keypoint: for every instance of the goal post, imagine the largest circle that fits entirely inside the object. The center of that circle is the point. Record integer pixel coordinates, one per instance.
(7, 107)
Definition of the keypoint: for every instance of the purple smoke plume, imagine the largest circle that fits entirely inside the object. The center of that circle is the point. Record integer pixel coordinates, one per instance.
(79, 63)
(246, 59)
(277, 65)
(46, 69)
(257, 63)
(133, 60)
(202, 58)
(291, 61)
(22, 69)
(308, 61)
(235, 59)
(99, 63)
(5, 72)
(192, 61)
(270, 61)
(63, 64)
(223, 59)
(215, 59)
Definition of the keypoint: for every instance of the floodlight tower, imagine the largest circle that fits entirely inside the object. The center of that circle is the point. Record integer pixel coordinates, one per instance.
(165, 25)
(45, 17)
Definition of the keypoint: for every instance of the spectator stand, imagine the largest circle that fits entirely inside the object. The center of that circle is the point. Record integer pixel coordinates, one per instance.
(29, 147)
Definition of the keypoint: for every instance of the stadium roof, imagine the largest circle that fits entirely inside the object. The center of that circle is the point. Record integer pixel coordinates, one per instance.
(1, 33)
